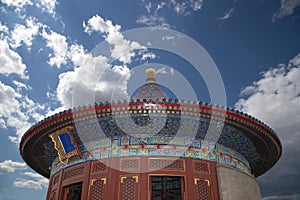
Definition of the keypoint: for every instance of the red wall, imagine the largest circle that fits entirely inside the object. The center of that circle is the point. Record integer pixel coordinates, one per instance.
(131, 178)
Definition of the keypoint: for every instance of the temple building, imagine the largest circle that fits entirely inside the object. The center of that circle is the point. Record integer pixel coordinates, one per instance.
(151, 147)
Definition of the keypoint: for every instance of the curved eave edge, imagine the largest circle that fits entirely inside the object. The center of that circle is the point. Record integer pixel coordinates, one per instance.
(87, 111)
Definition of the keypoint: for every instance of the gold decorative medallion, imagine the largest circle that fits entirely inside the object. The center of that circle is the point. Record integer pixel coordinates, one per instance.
(65, 144)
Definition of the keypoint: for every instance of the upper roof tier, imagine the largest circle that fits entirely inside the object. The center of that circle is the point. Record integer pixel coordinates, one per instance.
(150, 90)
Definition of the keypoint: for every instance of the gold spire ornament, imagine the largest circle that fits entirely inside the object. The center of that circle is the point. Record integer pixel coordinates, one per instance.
(150, 75)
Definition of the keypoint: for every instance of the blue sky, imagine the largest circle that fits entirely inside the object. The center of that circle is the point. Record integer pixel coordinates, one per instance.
(46, 55)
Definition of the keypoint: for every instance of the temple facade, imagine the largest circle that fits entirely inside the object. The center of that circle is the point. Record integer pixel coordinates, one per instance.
(151, 147)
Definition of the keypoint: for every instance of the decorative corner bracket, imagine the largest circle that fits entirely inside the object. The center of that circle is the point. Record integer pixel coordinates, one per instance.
(199, 179)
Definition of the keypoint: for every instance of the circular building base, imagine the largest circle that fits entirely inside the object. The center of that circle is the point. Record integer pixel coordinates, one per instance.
(165, 178)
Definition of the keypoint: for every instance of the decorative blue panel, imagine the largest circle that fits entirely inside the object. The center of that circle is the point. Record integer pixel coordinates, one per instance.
(66, 142)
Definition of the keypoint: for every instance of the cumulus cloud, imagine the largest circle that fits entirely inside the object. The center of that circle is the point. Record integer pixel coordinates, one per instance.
(9, 104)
(32, 181)
(17, 111)
(122, 49)
(275, 99)
(25, 33)
(29, 184)
(287, 8)
(58, 43)
(93, 79)
(9, 166)
(11, 61)
(38, 182)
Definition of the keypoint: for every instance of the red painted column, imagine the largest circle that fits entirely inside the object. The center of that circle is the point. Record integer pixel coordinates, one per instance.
(86, 180)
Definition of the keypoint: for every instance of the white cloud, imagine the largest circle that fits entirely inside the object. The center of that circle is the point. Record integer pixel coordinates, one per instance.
(21, 86)
(162, 71)
(97, 23)
(9, 166)
(3, 28)
(17, 111)
(78, 55)
(18, 4)
(148, 7)
(153, 21)
(168, 38)
(155, 17)
(31, 108)
(58, 43)
(227, 14)
(30, 184)
(47, 5)
(287, 8)
(33, 175)
(37, 183)
(165, 70)
(92, 79)
(122, 49)
(25, 33)
(159, 6)
(179, 8)
(147, 56)
(280, 87)
(10, 109)
(11, 61)
(186, 7)
(295, 60)
(2, 123)
(248, 91)
(172, 71)
(196, 4)
(275, 99)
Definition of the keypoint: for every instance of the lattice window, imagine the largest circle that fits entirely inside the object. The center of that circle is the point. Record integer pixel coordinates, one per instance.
(73, 173)
(129, 188)
(201, 167)
(166, 164)
(99, 167)
(202, 189)
(97, 189)
(56, 179)
(129, 164)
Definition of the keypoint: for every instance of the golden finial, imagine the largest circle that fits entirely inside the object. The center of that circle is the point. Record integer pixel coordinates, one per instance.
(150, 75)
